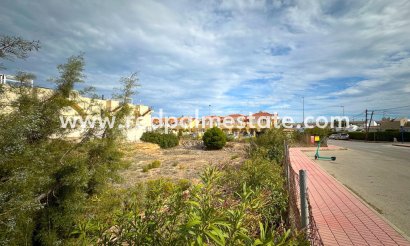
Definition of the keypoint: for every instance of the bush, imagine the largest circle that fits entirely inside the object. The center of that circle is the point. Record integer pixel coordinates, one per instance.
(46, 181)
(214, 138)
(224, 209)
(163, 140)
(152, 165)
(269, 145)
(230, 138)
(357, 135)
(241, 205)
(380, 136)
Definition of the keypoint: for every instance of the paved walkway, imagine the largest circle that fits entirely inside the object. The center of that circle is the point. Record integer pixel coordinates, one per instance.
(342, 219)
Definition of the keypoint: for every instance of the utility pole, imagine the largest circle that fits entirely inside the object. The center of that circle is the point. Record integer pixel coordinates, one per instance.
(366, 128)
(343, 107)
(371, 117)
(209, 110)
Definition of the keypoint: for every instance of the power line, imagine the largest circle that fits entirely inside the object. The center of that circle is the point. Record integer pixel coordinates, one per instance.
(385, 109)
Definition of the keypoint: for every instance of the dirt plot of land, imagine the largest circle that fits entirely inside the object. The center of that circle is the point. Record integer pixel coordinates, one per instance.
(185, 161)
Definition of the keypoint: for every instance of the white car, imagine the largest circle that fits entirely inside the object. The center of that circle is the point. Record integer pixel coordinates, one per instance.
(339, 136)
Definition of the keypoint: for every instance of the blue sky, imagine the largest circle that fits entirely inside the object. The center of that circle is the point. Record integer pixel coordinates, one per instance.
(237, 56)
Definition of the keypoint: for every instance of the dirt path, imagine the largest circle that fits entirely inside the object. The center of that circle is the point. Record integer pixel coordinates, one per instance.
(183, 162)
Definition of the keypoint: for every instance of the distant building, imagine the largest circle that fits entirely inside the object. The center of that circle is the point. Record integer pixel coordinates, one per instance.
(82, 107)
(10, 79)
(238, 124)
(394, 124)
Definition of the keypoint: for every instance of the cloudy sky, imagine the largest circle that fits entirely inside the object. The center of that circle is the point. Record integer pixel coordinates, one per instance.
(237, 56)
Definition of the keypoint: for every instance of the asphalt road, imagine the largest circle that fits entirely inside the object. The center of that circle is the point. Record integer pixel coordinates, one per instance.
(379, 173)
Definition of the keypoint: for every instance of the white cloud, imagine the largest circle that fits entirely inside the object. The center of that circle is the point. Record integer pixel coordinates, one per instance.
(192, 54)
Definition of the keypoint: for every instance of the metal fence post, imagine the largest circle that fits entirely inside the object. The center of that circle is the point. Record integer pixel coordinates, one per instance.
(288, 176)
(303, 198)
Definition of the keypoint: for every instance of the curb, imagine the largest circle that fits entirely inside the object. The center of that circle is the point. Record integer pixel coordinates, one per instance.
(402, 145)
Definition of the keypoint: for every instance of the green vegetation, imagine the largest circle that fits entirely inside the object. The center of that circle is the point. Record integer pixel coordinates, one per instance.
(245, 205)
(230, 138)
(47, 182)
(303, 138)
(380, 136)
(163, 140)
(269, 145)
(57, 192)
(12, 47)
(321, 132)
(214, 138)
(152, 165)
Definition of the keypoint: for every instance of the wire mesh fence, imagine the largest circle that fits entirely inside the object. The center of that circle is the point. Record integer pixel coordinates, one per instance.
(313, 232)
(295, 218)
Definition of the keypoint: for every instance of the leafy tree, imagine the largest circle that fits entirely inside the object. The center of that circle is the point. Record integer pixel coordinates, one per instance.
(70, 74)
(16, 47)
(129, 84)
(214, 138)
(128, 88)
(24, 77)
(45, 180)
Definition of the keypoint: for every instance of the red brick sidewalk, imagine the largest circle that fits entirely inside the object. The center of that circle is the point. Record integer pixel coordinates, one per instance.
(342, 219)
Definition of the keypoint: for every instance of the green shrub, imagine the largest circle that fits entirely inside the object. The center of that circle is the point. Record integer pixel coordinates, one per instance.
(163, 140)
(269, 145)
(152, 165)
(323, 133)
(241, 205)
(380, 136)
(214, 138)
(230, 138)
(357, 135)
(214, 212)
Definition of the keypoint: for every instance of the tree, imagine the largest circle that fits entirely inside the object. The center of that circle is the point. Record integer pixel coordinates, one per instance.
(16, 47)
(23, 89)
(24, 77)
(128, 89)
(214, 138)
(70, 74)
(46, 181)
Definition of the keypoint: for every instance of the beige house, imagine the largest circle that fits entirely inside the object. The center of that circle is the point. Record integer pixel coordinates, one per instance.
(394, 124)
(237, 124)
(139, 121)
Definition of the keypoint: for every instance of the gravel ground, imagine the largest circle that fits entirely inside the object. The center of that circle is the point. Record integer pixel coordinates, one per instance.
(185, 161)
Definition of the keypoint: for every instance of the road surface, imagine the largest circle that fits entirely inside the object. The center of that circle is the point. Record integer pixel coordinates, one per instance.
(379, 173)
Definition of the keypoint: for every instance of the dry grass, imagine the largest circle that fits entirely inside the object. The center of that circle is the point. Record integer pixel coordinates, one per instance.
(183, 162)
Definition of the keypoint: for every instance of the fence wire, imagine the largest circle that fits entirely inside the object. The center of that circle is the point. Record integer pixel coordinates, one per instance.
(292, 182)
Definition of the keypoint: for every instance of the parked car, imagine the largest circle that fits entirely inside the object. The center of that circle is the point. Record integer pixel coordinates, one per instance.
(339, 136)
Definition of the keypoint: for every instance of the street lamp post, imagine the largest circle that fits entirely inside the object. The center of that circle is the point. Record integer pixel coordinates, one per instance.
(303, 111)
